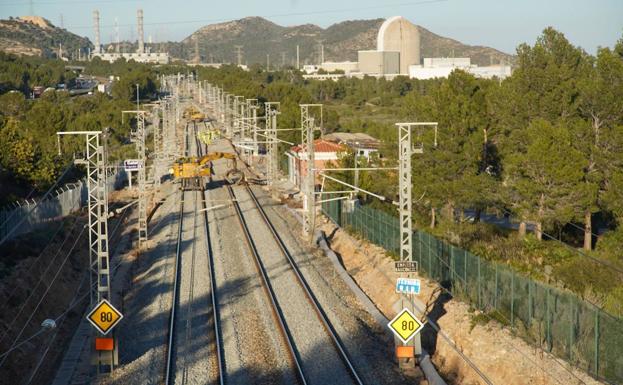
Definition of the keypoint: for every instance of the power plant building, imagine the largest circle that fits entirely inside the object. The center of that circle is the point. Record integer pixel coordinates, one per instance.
(379, 62)
(142, 55)
(397, 34)
(398, 53)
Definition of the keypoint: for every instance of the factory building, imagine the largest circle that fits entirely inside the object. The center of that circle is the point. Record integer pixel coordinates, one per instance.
(398, 53)
(379, 62)
(397, 34)
(442, 67)
(397, 47)
(142, 54)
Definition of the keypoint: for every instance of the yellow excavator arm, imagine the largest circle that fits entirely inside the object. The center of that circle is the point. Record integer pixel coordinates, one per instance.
(191, 169)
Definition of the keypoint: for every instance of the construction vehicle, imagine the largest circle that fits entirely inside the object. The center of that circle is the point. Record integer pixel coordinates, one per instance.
(208, 136)
(191, 170)
(193, 114)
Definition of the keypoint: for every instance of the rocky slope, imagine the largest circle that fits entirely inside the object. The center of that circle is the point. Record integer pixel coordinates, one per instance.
(341, 41)
(34, 35)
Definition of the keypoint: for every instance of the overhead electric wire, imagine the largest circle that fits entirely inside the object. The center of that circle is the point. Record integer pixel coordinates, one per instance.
(503, 316)
(78, 238)
(594, 259)
(6, 220)
(35, 262)
(34, 290)
(7, 235)
(269, 16)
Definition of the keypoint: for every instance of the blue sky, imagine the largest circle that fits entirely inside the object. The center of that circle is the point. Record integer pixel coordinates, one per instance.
(502, 24)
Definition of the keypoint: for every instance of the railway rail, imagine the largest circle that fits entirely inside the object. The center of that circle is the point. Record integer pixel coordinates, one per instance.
(174, 362)
(313, 301)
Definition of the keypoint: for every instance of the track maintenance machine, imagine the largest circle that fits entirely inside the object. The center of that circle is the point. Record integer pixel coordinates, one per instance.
(191, 170)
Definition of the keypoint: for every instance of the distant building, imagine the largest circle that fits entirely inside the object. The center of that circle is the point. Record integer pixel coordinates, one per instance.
(443, 67)
(142, 54)
(400, 35)
(147, 57)
(362, 144)
(325, 153)
(347, 66)
(379, 62)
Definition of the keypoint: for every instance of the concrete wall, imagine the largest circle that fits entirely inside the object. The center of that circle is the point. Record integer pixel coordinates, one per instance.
(157, 58)
(447, 62)
(346, 66)
(379, 62)
(398, 34)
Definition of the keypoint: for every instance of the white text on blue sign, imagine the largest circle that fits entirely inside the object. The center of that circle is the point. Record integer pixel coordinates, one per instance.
(408, 286)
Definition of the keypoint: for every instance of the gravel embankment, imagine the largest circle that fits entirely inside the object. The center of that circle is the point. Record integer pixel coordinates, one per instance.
(320, 360)
(254, 351)
(194, 358)
(369, 347)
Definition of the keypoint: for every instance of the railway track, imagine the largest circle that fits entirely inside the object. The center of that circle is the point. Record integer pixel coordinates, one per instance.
(178, 359)
(298, 363)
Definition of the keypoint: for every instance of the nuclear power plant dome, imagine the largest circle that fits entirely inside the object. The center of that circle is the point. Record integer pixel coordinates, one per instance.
(399, 34)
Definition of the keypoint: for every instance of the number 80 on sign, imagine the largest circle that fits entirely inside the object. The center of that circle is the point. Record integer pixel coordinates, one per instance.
(405, 325)
(104, 317)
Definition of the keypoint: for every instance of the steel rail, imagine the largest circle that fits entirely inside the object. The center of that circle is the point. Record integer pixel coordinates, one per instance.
(168, 377)
(213, 289)
(276, 310)
(308, 292)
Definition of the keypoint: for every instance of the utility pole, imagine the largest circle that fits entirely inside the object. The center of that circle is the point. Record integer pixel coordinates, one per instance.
(405, 151)
(298, 63)
(272, 111)
(138, 137)
(309, 187)
(239, 54)
(267, 62)
(97, 200)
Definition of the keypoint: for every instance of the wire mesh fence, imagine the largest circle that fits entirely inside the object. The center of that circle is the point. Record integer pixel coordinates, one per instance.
(28, 216)
(557, 321)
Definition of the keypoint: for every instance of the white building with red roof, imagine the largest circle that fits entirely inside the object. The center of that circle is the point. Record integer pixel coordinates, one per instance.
(325, 153)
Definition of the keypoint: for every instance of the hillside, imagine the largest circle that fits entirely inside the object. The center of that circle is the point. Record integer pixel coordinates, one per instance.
(36, 36)
(260, 37)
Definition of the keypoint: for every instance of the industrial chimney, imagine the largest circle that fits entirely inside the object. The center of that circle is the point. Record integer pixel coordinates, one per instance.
(96, 28)
(141, 42)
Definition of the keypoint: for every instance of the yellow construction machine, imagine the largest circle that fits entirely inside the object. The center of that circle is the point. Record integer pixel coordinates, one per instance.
(192, 113)
(191, 170)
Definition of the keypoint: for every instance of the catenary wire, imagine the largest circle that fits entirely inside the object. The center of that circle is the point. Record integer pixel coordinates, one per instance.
(7, 235)
(78, 238)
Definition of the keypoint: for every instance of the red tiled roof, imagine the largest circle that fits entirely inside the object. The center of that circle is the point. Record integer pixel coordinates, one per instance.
(321, 145)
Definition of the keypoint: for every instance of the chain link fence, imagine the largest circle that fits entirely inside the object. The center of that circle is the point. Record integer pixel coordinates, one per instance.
(68, 199)
(555, 320)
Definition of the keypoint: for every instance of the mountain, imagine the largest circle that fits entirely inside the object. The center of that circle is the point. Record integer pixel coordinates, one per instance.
(341, 41)
(34, 35)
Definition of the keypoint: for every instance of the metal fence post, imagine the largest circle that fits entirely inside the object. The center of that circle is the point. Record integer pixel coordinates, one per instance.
(597, 342)
(571, 329)
(512, 298)
(479, 288)
(419, 237)
(495, 296)
(529, 304)
(548, 330)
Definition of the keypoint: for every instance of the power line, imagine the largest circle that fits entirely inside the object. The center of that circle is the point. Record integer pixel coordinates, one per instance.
(35, 262)
(551, 237)
(7, 235)
(43, 296)
(493, 319)
(278, 15)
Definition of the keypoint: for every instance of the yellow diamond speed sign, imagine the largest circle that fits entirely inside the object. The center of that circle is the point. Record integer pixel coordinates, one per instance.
(104, 317)
(405, 325)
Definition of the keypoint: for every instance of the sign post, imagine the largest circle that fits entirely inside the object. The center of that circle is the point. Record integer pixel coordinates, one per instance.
(104, 317)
